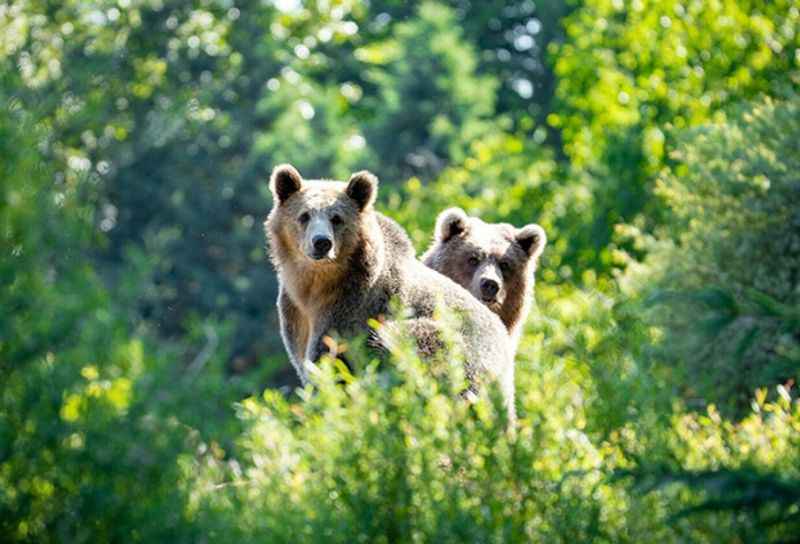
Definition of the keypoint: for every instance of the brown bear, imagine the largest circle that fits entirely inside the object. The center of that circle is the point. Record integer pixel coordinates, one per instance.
(340, 263)
(495, 262)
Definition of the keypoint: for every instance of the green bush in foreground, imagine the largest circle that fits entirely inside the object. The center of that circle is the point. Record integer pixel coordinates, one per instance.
(395, 456)
(732, 479)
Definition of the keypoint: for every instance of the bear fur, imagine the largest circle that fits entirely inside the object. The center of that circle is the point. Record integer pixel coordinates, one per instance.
(496, 262)
(340, 263)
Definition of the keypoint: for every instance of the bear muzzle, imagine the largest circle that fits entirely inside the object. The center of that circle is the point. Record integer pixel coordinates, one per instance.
(489, 289)
(487, 286)
(321, 247)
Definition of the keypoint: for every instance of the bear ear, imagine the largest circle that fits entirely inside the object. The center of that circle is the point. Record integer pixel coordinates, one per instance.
(284, 182)
(532, 239)
(451, 222)
(362, 188)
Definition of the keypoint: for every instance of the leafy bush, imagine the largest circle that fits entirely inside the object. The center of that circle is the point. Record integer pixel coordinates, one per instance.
(396, 456)
(93, 417)
(724, 478)
(729, 259)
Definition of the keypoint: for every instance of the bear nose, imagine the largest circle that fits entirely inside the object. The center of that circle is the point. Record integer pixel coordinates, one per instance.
(322, 245)
(489, 288)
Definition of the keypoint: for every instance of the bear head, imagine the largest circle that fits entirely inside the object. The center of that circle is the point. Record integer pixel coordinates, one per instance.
(318, 222)
(494, 262)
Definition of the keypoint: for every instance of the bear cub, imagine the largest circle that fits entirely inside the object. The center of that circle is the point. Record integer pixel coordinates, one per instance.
(495, 262)
(340, 263)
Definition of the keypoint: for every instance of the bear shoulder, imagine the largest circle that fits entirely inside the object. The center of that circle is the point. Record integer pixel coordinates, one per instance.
(395, 239)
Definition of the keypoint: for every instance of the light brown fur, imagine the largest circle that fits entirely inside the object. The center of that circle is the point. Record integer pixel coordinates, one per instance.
(339, 287)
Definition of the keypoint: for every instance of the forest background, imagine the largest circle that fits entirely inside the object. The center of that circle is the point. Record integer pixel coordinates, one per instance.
(144, 391)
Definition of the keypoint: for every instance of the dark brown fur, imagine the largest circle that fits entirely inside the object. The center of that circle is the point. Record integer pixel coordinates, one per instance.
(469, 251)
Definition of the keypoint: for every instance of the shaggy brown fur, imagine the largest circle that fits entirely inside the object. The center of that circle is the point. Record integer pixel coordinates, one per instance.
(495, 262)
(340, 263)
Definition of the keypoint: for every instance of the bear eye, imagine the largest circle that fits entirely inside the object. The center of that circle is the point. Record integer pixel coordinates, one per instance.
(304, 217)
(474, 260)
(336, 219)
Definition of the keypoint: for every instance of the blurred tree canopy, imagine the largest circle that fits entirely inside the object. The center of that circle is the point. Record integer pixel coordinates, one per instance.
(632, 74)
(656, 143)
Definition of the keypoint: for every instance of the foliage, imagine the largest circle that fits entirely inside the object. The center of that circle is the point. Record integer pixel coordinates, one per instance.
(629, 72)
(394, 456)
(745, 473)
(656, 143)
(397, 457)
(729, 258)
(432, 105)
(93, 418)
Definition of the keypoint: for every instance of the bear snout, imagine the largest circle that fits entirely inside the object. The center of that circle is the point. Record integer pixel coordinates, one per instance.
(321, 246)
(489, 288)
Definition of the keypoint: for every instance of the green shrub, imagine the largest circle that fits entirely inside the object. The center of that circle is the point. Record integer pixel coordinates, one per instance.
(723, 479)
(727, 265)
(396, 456)
(93, 416)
